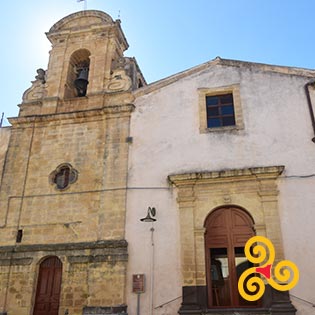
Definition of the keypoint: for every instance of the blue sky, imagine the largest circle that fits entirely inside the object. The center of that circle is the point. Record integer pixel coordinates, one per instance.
(165, 36)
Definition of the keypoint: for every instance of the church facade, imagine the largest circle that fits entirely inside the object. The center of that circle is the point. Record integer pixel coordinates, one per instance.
(215, 155)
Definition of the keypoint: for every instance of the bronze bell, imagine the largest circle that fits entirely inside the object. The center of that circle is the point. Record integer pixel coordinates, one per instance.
(81, 82)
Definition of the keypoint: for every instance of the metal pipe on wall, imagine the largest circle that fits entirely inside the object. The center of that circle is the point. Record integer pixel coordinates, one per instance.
(309, 103)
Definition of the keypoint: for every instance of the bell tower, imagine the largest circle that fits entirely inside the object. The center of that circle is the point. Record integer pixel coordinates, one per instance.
(63, 191)
(86, 60)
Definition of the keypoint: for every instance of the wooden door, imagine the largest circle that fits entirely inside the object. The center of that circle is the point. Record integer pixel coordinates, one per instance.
(227, 231)
(48, 287)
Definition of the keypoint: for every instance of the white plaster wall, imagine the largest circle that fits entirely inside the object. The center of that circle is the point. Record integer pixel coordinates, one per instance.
(167, 285)
(297, 201)
(166, 140)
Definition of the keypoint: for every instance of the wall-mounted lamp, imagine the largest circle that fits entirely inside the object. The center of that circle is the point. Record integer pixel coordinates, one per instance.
(150, 218)
(150, 215)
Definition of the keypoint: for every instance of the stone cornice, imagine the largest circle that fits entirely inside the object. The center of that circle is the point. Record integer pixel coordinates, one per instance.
(65, 28)
(65, 246)
(112, 110)
(61, 24)
(268, 172)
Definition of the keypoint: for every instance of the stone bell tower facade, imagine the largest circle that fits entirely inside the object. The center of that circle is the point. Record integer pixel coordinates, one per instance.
(63, 187)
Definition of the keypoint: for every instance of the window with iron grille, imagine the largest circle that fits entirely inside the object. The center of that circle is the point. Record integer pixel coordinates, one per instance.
(63, 176)
(220, 110)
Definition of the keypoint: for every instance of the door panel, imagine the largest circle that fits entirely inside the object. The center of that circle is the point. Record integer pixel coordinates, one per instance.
(227, 231)
(220, 277)
(48, 287)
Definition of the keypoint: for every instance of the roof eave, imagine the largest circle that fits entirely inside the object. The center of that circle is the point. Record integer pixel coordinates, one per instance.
(307, 73)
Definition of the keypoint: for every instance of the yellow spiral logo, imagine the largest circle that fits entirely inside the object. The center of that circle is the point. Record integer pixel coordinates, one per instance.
(260, 250)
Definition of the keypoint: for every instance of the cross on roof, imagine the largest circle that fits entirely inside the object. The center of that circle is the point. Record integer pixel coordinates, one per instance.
(85, 3)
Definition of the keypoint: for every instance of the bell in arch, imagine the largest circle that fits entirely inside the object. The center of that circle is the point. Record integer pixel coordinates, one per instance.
(81, 82)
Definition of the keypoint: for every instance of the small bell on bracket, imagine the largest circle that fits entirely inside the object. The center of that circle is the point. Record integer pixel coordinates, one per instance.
(81, 82)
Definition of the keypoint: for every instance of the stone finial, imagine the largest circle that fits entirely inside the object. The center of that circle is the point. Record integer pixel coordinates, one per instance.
(38, 88)
(41, 75)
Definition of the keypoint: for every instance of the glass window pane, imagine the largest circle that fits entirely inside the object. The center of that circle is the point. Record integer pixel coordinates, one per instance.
(212, 100)
(62, 178)
(226, 99)
(220, 280)
(227, 110)
(242, 264)
(228, 121)
(213, 111)
(241, 261)
(214, 122)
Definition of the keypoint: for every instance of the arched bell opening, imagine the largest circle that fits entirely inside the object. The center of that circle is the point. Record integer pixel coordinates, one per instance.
(78, 74)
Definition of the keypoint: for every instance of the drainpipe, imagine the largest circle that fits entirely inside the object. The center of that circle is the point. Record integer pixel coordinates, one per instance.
(309, 102)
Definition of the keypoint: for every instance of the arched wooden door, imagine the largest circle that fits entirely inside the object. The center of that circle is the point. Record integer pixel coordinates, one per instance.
(227, 231)
(48, 287)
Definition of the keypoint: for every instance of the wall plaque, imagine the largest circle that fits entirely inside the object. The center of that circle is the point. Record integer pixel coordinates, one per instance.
(138, 283)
